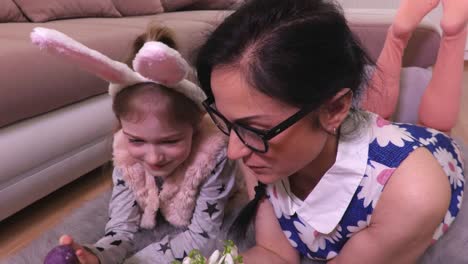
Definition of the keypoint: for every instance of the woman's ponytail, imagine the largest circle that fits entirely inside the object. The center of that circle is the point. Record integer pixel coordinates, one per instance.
(239, 227)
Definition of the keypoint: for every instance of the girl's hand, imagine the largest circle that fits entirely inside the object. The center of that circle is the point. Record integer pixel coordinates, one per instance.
(84, 256)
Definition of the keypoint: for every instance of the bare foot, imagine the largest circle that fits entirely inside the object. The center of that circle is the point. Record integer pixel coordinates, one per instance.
(455, 16)
(410, 13)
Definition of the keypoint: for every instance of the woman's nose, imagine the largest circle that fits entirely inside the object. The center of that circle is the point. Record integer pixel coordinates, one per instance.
(236, 149)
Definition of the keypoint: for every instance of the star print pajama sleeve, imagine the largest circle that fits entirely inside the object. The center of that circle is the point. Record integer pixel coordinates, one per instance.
(202, 232)
(205, 225)
(124, 217)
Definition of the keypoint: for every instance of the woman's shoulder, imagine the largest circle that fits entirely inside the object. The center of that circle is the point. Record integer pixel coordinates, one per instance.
(414, 201)
(418, 183)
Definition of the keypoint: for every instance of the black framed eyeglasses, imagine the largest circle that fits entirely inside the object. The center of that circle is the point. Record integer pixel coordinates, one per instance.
(253, 138)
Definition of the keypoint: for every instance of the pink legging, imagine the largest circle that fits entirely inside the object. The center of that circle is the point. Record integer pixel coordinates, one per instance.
(440, 102)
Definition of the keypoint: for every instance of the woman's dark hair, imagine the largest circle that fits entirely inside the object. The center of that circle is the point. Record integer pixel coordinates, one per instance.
(239, 227)
(301, 52)
(133, 101)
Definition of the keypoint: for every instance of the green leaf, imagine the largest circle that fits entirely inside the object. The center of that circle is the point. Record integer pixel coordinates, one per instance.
(228, 245)
(239, 260)
(196, 257)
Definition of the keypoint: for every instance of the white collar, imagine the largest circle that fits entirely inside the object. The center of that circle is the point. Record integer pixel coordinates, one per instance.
(325, 206)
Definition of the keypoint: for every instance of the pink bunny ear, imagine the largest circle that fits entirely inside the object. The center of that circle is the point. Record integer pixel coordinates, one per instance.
(63, 46)
(160, 63)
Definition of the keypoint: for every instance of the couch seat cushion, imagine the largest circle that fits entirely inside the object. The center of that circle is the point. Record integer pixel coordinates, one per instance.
(34, 82)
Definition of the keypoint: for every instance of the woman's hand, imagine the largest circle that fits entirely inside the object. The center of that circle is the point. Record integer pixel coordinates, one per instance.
(84, 256)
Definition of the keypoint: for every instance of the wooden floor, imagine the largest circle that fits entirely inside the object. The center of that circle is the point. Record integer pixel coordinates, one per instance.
(17, 231)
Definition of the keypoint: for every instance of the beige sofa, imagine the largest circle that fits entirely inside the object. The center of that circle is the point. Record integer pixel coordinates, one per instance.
(56, 120)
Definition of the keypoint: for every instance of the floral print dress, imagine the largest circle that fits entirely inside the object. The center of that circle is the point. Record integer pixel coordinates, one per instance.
(343, 201)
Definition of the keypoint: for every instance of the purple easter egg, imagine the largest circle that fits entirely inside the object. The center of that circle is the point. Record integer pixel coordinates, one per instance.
(61, 255)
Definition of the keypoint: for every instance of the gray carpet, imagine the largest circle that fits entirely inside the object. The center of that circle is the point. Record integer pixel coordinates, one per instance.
(86, 224)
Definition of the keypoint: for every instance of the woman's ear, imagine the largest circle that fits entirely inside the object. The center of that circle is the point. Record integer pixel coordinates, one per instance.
(334, 112)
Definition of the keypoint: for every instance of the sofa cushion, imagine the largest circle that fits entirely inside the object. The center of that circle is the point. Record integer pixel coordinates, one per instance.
(189, 33)
(35, 82)
(173, 5)
(10, 12)
(214, 4)
(413, 83)
(46, 10)
(138, 7)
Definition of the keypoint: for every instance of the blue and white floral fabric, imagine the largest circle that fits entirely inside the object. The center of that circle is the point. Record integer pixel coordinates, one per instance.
(343, 201)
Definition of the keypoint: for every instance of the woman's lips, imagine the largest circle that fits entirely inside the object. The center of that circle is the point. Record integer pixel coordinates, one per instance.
(258, 169)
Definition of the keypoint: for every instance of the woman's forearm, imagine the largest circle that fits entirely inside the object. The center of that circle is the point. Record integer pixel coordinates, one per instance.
(259, 254)
(270, 239)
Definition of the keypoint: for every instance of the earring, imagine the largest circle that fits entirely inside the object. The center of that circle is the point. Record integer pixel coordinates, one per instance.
(331, 131)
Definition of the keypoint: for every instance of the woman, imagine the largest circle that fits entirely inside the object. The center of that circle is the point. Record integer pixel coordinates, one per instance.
(283, 79)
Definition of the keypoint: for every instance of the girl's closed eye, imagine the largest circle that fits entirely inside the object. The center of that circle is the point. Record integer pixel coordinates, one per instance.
(136, 141)
(171, 141)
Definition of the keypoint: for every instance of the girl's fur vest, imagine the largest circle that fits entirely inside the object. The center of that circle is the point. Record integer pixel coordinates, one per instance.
(177, 198)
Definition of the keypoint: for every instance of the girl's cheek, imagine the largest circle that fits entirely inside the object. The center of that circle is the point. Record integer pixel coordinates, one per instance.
(136, 152)
(182, 150)
(178, 152)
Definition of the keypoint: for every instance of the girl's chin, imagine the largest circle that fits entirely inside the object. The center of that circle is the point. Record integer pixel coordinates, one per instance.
(163, 173)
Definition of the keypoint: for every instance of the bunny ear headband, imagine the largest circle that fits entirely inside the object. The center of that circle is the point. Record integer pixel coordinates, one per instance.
(155, 62)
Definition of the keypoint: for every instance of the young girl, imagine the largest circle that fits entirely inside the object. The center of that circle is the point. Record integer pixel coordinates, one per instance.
(167, 157)
(337, 184)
